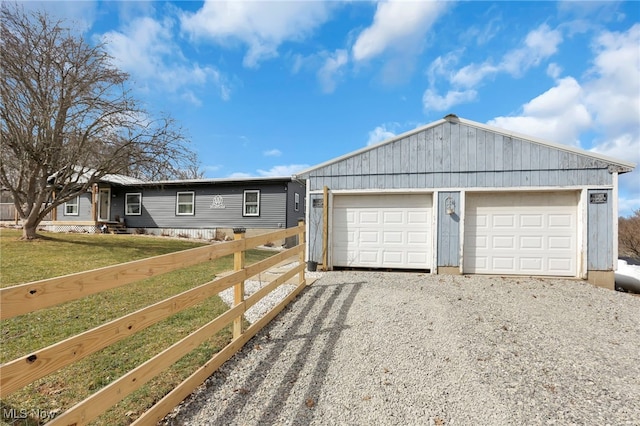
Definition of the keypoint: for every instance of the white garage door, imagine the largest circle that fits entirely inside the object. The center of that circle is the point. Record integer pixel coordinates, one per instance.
(521, 233)
(382, 231)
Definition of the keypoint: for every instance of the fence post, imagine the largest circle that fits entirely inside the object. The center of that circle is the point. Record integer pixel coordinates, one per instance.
(238, 289)
(301, 256)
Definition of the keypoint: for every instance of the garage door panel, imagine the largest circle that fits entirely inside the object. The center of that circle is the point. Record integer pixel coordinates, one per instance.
(503, 242)
(477, 242)
(392, 258)
(418, 218)
(561, 265)
(561, 243)
(389, 231)
(393, 217)
(528, 243)
(417, 258)
(530, 233)
(535, 221)
(531, 264)
(506, 264)
(392, 237)
(503, 221)
(417, 237)
(560, 221)
(369, 237)
(369, 217)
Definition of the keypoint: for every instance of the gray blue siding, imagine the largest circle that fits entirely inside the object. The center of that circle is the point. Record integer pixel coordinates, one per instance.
(600, 233)
(448, 231)
(452, 155)
(84, 210)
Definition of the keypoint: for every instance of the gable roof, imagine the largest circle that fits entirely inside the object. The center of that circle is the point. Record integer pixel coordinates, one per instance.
(623, 166)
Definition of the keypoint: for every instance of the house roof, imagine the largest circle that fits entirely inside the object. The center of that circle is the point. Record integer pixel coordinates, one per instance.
(625, 166)
(242, 180)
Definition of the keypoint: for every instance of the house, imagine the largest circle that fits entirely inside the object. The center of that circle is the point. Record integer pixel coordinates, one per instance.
(202, 208)
(460, 197)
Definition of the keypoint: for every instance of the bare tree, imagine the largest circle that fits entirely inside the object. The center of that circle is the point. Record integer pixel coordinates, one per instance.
(67, 119)
(629, 235)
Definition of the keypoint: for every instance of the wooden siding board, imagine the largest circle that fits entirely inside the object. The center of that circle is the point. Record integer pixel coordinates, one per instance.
(448, 231)
(600, 233)
(446, 154)
(471, 163)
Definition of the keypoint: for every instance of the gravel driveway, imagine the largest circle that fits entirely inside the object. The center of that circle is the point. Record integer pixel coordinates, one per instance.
(379, 348)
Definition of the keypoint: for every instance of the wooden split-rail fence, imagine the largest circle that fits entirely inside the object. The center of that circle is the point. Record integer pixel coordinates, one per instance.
(30, 297)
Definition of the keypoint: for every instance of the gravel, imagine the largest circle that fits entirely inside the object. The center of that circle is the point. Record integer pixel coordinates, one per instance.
(407, 348)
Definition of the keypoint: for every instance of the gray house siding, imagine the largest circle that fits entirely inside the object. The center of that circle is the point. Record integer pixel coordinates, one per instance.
(159, 207)
(293, 214)
(600, 232)
(448, 231)
(453, 155)
(84, 210)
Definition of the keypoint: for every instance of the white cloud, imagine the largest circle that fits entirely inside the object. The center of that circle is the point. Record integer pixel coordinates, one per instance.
(240, 175)
(613, 91)
(261, 25)
(558, 115)
(272, 153)
(397, 25)
(431, 101)
(471, 75)
(539, 44)
(554, 70)
(381, 133)
(145, 48)
(332, 70)
(284, 170)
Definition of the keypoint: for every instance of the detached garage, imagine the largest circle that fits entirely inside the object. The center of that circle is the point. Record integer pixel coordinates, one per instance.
(461, 197)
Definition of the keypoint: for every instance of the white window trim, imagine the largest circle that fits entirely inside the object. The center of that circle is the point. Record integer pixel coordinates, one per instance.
(296, 202)
(244, 202)
(70, 203)
(126, 203)
(193, 203)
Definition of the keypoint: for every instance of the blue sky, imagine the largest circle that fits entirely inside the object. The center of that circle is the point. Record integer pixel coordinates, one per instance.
(269, 88)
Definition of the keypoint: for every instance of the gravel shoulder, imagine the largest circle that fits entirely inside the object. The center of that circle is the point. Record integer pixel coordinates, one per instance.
(406, 348)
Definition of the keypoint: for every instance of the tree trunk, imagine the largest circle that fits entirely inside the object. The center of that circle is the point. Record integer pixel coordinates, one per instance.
(29, 227)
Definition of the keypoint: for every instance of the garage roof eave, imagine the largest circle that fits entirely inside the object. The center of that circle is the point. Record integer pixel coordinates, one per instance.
(617, 165)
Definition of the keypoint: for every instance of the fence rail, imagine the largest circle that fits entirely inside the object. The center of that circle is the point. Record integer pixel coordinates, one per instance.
(26, 298)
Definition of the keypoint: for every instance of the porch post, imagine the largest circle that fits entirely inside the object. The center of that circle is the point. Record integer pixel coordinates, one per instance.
(238, 289)
(94, 202)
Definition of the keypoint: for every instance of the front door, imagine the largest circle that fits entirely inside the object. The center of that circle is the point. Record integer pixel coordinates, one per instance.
(104, 204)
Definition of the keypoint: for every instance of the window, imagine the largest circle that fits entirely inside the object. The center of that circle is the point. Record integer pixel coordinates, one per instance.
(251, 203)
(133, 204)
(296, 202)
(71, 207)
(185, 204)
